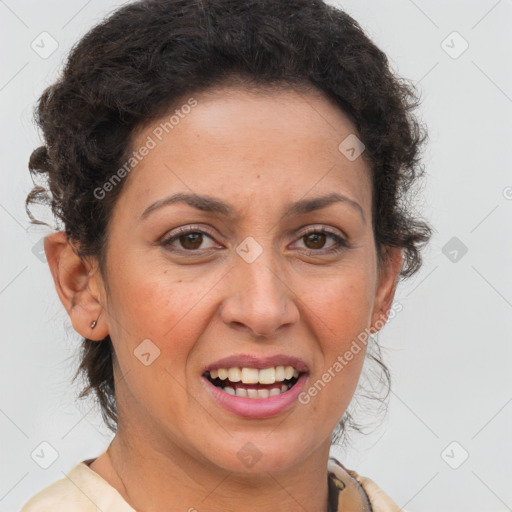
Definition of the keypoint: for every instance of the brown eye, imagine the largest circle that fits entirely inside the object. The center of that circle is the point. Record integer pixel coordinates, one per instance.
(191, 240)
(317, 240)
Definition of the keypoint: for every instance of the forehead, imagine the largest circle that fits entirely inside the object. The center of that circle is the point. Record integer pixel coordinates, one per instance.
(247, 144)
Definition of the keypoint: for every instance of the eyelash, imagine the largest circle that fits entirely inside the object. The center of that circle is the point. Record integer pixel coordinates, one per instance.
(341, 243)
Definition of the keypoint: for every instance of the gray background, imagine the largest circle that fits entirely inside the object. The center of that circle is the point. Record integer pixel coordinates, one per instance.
(449, 350)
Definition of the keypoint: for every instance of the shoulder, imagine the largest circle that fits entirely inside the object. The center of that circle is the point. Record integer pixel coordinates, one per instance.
(356, 485)
(81, 490)
(60, 496)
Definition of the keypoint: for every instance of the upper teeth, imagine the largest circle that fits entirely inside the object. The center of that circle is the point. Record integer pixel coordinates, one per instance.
(254, 375)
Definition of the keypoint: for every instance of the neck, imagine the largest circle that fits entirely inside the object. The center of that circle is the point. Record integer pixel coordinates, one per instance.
(152, 479)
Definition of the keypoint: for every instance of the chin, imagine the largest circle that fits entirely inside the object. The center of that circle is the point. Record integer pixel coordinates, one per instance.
(274, 450)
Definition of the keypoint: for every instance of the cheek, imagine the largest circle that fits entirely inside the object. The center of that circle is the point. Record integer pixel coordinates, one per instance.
(153, 300)
(342, 306)
(169, 312)
(342, 320)
(340, 312)
(165, 307)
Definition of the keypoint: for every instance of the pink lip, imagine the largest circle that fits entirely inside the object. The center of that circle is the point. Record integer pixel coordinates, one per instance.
(250, 361)
(254, 408)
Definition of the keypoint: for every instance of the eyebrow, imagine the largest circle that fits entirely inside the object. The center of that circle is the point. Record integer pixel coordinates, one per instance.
(214, 205)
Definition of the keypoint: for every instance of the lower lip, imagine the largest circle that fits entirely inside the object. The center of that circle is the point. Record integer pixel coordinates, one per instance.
(257, 407)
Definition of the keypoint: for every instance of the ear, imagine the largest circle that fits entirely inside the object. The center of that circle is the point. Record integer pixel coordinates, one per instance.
(78, 285)
(387, 282)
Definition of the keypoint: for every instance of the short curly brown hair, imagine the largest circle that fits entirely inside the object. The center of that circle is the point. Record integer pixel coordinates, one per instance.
(135, 65)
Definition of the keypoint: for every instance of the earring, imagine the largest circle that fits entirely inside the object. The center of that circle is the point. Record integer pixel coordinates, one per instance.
(93, 324)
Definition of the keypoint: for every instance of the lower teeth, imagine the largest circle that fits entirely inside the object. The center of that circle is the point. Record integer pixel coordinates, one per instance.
(265, 392)
(256, 393)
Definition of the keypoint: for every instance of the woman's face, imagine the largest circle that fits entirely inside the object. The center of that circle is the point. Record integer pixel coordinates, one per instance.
(255, 280)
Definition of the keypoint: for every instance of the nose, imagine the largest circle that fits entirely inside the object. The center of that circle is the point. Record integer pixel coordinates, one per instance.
(259, 300)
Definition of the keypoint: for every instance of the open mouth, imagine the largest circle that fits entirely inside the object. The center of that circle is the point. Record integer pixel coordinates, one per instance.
(254, 382)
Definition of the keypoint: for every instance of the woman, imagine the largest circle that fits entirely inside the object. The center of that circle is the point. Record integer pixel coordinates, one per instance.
(230, 176)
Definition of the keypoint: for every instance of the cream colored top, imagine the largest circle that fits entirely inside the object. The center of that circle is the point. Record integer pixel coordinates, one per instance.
(84, 490)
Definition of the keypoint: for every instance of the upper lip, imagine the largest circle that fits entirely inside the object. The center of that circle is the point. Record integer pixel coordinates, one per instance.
(251, 361)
